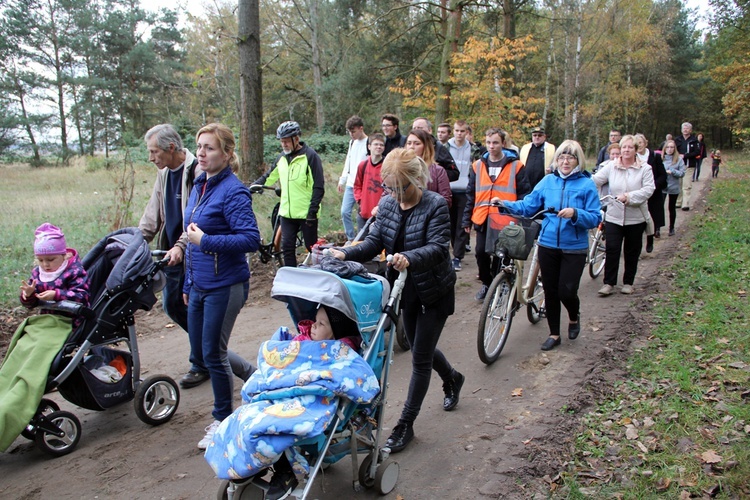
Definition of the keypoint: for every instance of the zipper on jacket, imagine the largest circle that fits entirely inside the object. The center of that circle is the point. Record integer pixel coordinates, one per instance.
(560, 207)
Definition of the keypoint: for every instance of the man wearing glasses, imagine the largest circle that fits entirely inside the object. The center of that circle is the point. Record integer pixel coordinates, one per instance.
(393, 138)
(537, 157)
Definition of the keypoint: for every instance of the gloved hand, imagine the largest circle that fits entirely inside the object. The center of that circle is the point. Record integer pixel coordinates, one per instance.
(311, 221)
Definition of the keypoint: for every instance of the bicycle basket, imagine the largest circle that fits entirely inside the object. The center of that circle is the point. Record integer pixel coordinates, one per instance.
(517, 240)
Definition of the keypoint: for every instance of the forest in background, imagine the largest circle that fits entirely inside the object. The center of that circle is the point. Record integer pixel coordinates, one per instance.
(91, 76)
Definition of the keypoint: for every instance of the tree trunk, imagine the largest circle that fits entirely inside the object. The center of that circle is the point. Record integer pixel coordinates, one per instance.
(251, 96)
(59, 83)
(452, 30)
(317, 73)
(548, 78)
(577, 84)
(509, 19)
(27, 124)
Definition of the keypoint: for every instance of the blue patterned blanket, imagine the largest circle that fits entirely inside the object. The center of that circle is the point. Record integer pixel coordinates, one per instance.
(292, 396)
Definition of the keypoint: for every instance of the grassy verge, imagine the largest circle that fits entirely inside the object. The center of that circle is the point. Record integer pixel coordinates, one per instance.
(678, 426)
(81, 200)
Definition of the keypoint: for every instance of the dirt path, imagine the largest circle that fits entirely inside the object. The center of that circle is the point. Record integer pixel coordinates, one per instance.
(493, 445)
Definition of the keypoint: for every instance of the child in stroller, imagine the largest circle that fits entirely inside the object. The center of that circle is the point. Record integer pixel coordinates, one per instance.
(44, 356)
(313, 401)
(59, 275)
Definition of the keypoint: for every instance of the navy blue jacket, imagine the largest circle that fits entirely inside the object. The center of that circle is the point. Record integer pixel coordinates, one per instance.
(224, 212)
(578, 191)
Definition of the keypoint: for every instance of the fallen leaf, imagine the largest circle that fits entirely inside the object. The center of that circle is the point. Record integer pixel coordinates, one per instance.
(684, 495)
(690, 314)
(710, 457)
(631, 433)
(517, 392)
(626, 421)
(720, 368)
(662, 484)
(527, 441)
(641, 447)
(169, 325)
(697, 348)
(723, 340)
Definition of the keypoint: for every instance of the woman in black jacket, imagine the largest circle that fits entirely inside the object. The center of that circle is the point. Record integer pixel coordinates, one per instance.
(655, 202)
(413, 225)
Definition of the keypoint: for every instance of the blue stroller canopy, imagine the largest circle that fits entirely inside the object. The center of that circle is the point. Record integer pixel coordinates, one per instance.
(360, 299)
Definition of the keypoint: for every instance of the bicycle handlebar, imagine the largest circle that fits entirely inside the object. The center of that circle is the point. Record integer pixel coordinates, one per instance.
(501, 209)
(258, 189)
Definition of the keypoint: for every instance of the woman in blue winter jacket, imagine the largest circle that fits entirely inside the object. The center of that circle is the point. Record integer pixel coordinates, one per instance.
(221, 229)
(564, 239)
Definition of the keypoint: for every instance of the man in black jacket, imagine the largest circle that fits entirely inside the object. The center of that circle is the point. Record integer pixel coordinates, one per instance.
(393, 138)
(442, 155)
(688, 147)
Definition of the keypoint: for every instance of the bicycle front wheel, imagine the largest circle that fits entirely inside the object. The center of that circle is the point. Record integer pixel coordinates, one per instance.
(494, 322)
(597, 254)
(535, 304)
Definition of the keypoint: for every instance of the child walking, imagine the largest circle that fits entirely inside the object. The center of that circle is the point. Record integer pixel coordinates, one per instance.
(59, 275)
(715, 162)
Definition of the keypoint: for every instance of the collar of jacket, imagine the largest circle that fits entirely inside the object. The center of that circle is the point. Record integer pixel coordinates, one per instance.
(212, 181)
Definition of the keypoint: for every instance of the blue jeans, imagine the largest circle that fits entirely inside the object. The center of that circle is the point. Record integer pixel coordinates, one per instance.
(347, 205)
(211, 317)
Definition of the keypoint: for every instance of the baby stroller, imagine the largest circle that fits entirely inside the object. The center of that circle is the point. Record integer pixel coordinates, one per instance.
(122, 279)
(354, 429)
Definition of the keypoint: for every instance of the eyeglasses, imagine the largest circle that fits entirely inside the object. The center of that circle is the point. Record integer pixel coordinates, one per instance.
(568, 158)
(386, 125)
(397, 190)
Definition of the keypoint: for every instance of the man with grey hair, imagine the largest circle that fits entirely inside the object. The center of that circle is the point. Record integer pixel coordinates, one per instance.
(162, 221)
(442, 155)
(688, 147)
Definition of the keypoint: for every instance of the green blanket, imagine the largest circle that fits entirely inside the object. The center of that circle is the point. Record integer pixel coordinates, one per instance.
(23, 374)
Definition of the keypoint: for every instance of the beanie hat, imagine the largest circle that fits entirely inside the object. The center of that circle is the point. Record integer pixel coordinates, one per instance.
(341, 325)
(49, 240)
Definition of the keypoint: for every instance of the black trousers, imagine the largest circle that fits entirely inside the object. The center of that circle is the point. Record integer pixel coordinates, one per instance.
(631, 238)
(484, 259)
(672, 208)
(423, 327)
(561, 276)
(289, 230)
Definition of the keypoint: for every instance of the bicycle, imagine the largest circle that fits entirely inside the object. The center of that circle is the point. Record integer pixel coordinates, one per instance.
(598, 249)
(504, 296)
(270, 251)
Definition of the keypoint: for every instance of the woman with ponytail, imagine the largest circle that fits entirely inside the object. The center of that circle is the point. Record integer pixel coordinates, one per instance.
(221, 229)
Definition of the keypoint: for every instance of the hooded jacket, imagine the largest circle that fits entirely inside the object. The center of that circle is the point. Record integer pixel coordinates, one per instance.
(222, 208)
(577, 191)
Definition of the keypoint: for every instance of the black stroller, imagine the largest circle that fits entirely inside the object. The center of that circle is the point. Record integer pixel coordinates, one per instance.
(123, 278)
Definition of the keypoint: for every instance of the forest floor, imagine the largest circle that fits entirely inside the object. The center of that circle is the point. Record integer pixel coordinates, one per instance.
(510, 436)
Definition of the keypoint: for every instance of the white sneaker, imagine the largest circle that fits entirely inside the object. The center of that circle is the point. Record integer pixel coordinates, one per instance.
(626, 289)
(606, 290)
(210, 431)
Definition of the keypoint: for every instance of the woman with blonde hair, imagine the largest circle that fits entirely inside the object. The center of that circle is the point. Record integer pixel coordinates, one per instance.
(221, 229)
(631, 182)
(563, 242)
(414, 226)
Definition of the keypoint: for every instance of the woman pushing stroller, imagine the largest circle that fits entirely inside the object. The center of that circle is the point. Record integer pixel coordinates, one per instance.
(414, 225)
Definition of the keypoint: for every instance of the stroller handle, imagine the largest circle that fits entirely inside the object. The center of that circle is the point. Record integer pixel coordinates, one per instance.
(68, 306)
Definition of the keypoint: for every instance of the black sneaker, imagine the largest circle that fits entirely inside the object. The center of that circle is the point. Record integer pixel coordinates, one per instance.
(282, 485)
(193, 379)
(452, 390)
(401, 436)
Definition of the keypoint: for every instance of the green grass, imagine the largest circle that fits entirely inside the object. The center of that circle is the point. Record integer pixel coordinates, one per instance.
(81, 199)
(687, 392)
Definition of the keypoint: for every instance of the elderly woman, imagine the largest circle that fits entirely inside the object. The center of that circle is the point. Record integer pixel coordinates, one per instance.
(631, 182)
(221, 229)
(563, 241)
(675, 168)
(414, 226)
(655, 202)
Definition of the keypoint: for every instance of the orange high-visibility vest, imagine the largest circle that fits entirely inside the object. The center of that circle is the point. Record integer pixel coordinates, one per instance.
(503, 187)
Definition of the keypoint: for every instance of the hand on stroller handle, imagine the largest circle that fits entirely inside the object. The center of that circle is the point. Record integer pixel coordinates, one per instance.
(503, 210)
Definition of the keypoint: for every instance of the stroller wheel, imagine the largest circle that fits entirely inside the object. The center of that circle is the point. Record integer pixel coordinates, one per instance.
(244, 490)
(46, 406)
(62, 440)
(387, 476)
(156, 399)
(364, 472)
(403, 342)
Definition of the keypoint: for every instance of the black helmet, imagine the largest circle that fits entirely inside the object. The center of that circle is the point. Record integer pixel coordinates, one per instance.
(288, 129)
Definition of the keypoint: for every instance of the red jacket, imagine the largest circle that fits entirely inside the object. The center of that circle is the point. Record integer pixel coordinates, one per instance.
(368, 186)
